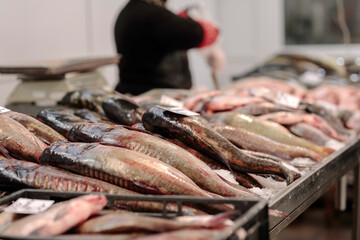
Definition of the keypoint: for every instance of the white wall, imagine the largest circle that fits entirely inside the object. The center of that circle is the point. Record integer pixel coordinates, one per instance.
(53, 29)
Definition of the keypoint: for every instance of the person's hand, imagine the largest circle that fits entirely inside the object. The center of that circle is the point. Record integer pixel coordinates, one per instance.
(215, 57)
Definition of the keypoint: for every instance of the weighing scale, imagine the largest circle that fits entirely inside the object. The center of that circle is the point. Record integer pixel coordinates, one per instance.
(43, 84)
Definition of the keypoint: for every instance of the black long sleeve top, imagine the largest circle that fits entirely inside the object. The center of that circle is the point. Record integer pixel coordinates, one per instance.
(152, 41)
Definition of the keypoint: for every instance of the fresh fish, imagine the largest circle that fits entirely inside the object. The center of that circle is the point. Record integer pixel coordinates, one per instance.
(334, 121)
(19, 141)
(30, 175)
(42, 131)
(122, 111)
(157, 148)
(7, 218)
(260, 108)
(257, 126)
(92, 116)
(310, 133)
(59, 218)
(252, 141)
(289, 118)
(242, 178)
(121, 167)
(184, 234)
(129, 222)
(60, 121)
(196, 132)
(91, 99)
(192, 101)
(228, 102)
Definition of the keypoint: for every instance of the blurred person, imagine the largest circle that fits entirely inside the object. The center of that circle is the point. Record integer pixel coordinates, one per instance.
(153, 43)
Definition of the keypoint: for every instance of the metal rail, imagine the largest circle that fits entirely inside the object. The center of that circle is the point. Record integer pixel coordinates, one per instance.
(298, 196)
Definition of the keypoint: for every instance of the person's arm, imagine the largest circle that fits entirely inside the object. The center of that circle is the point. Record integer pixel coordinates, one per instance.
(171, 31)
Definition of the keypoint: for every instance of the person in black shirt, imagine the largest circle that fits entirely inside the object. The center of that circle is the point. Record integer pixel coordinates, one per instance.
(153, 43)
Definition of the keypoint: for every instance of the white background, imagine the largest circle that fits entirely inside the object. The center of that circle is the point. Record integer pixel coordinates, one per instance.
(252, 30)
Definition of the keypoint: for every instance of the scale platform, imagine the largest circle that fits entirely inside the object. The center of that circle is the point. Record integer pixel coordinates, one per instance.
(43, 84)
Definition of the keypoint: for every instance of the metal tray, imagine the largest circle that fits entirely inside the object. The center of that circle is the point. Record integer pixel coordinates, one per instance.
(253, 217)
(299, 195)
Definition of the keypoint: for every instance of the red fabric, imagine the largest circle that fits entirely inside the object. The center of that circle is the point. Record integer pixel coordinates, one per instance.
(183, 14)
(211, 32)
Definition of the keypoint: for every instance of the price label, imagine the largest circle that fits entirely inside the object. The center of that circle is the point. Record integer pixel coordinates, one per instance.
(29, 206)
(287, 100)
(171, 101)
(3, 110)
(179, 110)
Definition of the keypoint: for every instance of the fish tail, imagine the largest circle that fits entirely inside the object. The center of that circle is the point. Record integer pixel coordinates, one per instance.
(326, 151)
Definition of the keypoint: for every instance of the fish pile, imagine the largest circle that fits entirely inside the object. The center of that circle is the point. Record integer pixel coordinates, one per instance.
(84, 217)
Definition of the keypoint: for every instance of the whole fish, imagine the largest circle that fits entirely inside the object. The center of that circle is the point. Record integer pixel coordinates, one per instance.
(60, 121)
(86, 98)
(157, 148)
(289, 118)
(228, 102)
(257, 126)
(121, 167)
(59, 218)
(329, 116)
(19, 141)
(253, 141)
(31, 175)
(122, 111)
(184, 234)
(92, 116)
(196, 132)
(264, 155)
(310, 133)
(192, 101)
(129, 222)
(242, 178)
(260, 108)
(42, 131)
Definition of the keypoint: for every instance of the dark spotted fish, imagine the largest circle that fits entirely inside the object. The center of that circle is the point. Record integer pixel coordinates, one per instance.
(196, 132)
(122, 111)
(31, 175)
(158, 148)
(60, 121)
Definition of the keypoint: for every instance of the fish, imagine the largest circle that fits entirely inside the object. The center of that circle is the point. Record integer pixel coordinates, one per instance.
(122, 111)
(91, 116)
(196, 132)
(7, 218)
(59, 218)
(40, 130)
(260, 108)
(256, 142)
(122, 167)
(158, 148)
(310, 133)
(31, 175)
(60, 121)
(192, 101)
(289, 118)
(184, 234)
(19, 141)
(329, 116)
(354, 122)
(263, 155)
(128, 222)
(91, 99)
(242, 178)
(271, 131)
(228, 102)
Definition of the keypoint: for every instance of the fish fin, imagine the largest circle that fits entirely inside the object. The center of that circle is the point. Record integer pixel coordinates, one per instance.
(326, 151)
(4, 151)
